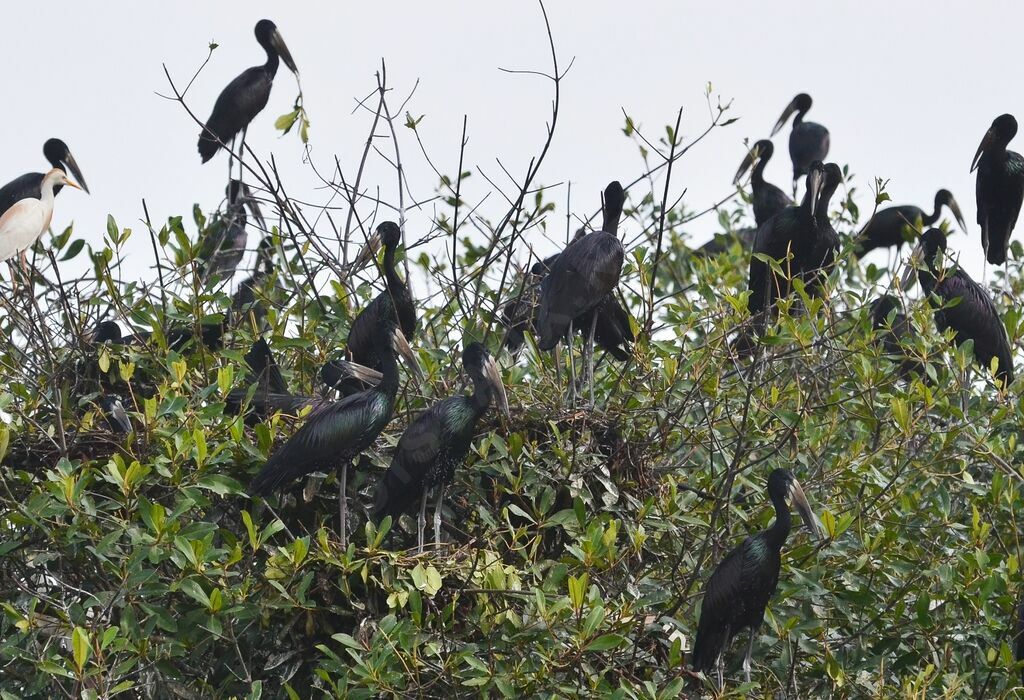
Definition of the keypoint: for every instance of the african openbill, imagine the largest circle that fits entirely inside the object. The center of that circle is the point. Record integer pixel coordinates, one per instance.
(223, 246)
(246, 302)
(246, 95)
(961, 304)
(29, 185)
(24, 222)
(885, 228)
(337, 432)
(579, 279)
(737, 593)
(768, 200)
(270, 394)
(437, 442)
(396, 300)
(808, 141)
(792, 231)
(1000, 187)
(178, 336)
(893, 329)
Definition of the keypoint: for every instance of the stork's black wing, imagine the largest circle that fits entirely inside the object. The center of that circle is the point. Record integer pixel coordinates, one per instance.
(580, 278)
(808, 142)
(1000, 192)
(975, 317)
(420, 451)
(237, 105)
(333, 434)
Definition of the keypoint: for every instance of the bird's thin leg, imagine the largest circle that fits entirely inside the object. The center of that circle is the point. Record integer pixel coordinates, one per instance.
(746, 657)
(965, 394)
(421, 521)
(241, 153)
(343, 505)
(590, 358)
(437, 516)
(720, 670)
(794, 188)
(231, 159)
(572, 369)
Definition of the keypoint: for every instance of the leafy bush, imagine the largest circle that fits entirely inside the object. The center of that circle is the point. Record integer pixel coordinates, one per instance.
(578, 540)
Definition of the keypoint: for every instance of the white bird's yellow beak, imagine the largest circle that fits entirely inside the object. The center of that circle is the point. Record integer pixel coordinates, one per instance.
(71, 183)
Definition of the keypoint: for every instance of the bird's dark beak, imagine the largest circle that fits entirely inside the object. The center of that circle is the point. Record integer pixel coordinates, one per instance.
(790, 108)
(955, 208)
(796, 495)
(985, 143)
(282, 51)
(493, 375)
(368, 252)
(910, 274)
(70, 164)
(403, 348)
(747, 163)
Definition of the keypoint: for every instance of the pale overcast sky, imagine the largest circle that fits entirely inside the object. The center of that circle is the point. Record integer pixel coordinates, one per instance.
(907, 90)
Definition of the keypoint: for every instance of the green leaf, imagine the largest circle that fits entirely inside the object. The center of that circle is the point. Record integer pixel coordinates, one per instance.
(81, 647)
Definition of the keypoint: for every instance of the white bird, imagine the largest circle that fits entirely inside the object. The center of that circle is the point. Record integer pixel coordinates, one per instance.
(27, 219)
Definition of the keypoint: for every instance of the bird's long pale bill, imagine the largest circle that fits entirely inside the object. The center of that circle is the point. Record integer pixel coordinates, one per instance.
(910, 274)
(985, 143)
(803, 507)
(402, 345)
(493, 375)
(790, 108)
(283, 52)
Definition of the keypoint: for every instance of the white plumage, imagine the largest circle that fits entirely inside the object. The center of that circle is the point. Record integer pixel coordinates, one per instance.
(23, 224)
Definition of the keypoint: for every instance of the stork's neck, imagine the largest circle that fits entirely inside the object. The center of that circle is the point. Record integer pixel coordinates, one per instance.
(389, 369)
(273, 61)
(482, 395)
(390, 273)
(757, 175)
(779, 531)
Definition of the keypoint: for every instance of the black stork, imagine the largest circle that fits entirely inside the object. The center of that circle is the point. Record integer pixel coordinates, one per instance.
(246, 301)
(816, 266)
(885, 229)
(246, 95)
(893, 330)
(768, 200)
(961, 304)
(29, 185)
(337, 432)
(579, 281)
(737, 593)
(790, 232)
(223, 245)
(270, 394)
(437, 442)
(999, 187)
(808, 141)
(395, 300)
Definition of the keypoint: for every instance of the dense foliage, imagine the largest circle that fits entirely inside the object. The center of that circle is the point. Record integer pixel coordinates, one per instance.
(577, 540)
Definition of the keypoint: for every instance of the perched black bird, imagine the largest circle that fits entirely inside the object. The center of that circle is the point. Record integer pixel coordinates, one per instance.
(894, 329)
(114, 414)
(737, 594)
(768, 200)
(808, 141)
(885, 228)
(519, 313)
(28, 185)
(580, 278)
(1000, 187)
(973, 316)
(223, 246)
(816, 267)
(270, 394)
(246, 95)
(791, 232)
(245, 301)
(337, 432)
(178, 337)
(437, 442)
(396, 300)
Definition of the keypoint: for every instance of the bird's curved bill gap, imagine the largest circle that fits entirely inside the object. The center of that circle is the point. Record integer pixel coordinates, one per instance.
(69, 162)
(796, 495)
(985, 143)
(493, 375)
(283, 52)
(403, 348)
(790, 108)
